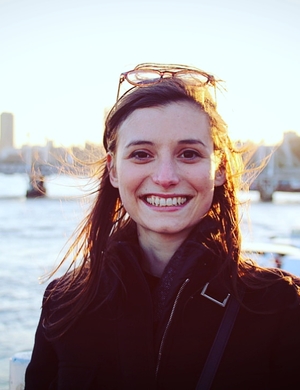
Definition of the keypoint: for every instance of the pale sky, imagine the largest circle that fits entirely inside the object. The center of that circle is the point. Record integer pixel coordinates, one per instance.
(60, 60)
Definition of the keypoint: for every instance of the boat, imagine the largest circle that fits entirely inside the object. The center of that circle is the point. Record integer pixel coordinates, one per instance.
(274, 255)
(36, 188)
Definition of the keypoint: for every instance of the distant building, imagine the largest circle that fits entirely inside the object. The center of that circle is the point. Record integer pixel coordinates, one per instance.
(6, 131)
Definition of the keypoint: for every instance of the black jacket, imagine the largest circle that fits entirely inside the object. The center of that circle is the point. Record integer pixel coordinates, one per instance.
(138, 336)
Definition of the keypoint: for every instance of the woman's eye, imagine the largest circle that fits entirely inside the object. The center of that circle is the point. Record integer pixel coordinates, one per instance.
(140, 155)
(190, 154)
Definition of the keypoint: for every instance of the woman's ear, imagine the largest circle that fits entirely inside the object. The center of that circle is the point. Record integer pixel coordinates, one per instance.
(112, 171)
(220, 177)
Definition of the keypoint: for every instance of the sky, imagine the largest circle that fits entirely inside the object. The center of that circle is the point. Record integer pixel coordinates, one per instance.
(60, 61)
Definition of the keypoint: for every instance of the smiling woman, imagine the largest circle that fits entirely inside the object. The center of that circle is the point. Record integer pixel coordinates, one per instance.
(165, 170)
(158, 273)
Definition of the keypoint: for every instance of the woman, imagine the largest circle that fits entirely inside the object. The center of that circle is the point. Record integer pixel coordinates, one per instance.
(161, 265)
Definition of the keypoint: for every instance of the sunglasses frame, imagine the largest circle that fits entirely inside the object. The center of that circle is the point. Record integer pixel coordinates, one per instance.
(164, 71)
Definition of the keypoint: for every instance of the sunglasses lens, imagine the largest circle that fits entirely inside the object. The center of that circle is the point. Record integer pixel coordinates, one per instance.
(143, 77)
(192, 78)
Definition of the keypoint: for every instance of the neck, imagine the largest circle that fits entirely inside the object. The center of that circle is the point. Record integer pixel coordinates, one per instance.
(157, 250)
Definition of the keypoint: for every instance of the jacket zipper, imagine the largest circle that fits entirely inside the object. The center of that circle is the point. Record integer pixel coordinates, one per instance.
(168, 325)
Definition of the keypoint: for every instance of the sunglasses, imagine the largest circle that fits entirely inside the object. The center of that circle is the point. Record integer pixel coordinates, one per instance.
(147, 74)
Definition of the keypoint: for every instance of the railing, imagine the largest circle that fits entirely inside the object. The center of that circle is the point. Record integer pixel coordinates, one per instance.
(17, 367)
(285, 180)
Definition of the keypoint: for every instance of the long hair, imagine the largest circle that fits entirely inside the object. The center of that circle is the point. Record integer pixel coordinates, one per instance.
(108, 220)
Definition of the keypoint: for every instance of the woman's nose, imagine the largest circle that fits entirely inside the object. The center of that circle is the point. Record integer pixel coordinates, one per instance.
(166, 174)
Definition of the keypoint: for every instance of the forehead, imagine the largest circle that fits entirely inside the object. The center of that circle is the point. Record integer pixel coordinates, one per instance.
(174, 121)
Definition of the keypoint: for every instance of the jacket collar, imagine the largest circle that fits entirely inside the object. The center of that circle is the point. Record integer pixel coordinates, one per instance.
(195, 253)
(198, 243)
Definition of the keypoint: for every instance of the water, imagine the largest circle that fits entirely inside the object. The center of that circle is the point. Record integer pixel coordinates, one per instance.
(33, 233)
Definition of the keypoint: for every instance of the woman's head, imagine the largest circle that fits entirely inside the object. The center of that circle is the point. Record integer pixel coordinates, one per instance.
(179, 90)
(109, 215)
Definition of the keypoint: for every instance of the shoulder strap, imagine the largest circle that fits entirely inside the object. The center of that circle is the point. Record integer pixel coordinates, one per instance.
(218, 347)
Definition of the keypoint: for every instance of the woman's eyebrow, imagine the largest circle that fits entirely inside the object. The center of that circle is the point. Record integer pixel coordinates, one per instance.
(138, 142)
(191, 141)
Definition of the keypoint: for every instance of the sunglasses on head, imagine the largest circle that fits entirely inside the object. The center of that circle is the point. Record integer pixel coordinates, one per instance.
(147, 74)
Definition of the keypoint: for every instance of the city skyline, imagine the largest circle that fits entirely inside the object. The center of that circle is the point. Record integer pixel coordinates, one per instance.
(6, 130)
(61, 60)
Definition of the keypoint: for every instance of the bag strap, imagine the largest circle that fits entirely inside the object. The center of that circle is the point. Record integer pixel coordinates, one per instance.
(218, 347)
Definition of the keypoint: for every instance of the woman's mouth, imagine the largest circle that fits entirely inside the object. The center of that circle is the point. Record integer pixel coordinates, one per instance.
(166, 202)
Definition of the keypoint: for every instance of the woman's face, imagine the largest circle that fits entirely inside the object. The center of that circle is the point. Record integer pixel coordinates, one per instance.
(165, 169)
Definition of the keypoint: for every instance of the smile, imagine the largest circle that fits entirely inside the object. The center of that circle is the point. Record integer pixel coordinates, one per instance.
(165, 202)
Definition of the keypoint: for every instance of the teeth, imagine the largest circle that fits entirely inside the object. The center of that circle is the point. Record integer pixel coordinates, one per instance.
(165, 202)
